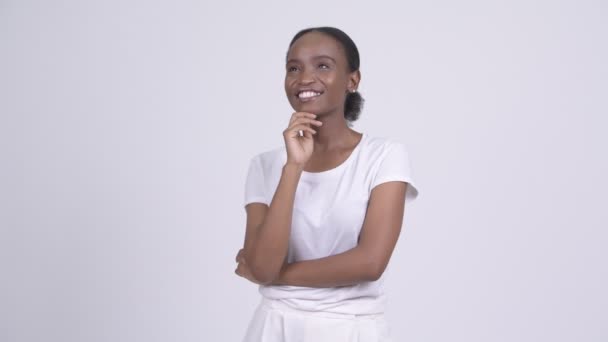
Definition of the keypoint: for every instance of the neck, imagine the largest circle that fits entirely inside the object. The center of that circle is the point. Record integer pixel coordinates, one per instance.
(333, 134)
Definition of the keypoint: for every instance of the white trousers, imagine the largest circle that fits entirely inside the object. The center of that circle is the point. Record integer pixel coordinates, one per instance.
(274, 321)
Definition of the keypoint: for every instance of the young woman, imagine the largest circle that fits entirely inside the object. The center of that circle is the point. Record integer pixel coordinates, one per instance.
(324, 211)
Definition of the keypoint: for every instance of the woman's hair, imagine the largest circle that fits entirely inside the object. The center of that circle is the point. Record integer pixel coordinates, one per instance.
(354, 101)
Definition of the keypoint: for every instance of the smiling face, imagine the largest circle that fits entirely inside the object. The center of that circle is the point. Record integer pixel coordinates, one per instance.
(317, 76)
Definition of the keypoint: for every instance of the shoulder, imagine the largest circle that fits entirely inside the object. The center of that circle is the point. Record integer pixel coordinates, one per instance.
(390, 161)
(377, 147)
(269, 158)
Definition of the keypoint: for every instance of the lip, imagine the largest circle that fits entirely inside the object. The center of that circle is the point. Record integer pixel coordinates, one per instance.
(310, 98)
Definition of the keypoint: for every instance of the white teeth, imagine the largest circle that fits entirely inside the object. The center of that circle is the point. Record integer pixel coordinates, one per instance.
(308, 94)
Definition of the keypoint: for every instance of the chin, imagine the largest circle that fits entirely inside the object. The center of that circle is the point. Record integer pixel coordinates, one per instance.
(310, 109)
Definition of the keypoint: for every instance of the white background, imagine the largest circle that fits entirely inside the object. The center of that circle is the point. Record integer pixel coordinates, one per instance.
(126, 128)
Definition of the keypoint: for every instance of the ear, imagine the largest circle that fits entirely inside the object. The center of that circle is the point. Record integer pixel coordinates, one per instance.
(353, 80)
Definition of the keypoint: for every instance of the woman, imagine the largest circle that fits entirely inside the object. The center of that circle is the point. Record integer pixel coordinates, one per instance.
(324, 211)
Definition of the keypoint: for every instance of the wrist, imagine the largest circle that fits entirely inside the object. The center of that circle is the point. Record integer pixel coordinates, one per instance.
(292, 167)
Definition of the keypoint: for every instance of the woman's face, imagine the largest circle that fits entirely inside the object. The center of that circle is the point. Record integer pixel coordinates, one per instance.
(317, 78)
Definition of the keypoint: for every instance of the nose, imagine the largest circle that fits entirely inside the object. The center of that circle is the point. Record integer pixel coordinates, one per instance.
(306, 77)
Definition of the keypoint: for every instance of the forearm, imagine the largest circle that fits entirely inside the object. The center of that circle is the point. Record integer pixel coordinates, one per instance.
(348, 268)
(268, 249)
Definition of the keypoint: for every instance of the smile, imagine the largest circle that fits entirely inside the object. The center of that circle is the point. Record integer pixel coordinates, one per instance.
(308, 95)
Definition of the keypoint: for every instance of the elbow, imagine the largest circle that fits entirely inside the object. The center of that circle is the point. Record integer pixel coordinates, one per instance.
(264, 277)
(375, 269)
(372, 263)
(262, 271)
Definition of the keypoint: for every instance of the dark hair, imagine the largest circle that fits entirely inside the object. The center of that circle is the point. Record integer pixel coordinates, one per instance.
(354, 101)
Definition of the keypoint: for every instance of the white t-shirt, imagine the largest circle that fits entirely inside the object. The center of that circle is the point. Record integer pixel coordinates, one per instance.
(328, 213)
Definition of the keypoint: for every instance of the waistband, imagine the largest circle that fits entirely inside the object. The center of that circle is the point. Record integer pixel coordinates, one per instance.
(277, 304)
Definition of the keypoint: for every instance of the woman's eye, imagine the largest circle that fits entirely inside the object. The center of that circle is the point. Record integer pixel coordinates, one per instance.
(293, 68)
(323, 66)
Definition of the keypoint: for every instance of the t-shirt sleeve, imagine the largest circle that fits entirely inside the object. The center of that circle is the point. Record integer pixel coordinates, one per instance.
(255, 183)
(395, 166)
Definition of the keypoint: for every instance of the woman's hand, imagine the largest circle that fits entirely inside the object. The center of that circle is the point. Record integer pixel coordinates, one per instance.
(299, 149)
(242, 269)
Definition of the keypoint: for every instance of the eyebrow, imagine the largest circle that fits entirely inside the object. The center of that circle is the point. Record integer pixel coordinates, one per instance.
(315, 57)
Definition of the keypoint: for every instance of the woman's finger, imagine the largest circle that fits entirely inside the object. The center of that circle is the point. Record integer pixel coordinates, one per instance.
(304, 122)
(297, 115)
(307, 120)
(301, 127)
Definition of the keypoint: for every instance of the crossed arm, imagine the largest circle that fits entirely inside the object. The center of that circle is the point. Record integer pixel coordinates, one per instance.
(365, 262)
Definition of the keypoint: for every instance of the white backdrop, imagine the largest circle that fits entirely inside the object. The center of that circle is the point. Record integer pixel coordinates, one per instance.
(126, 130)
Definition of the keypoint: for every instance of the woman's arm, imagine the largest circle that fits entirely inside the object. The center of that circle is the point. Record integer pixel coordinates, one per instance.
(267, 236)
(266, 243)
(368, 260)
